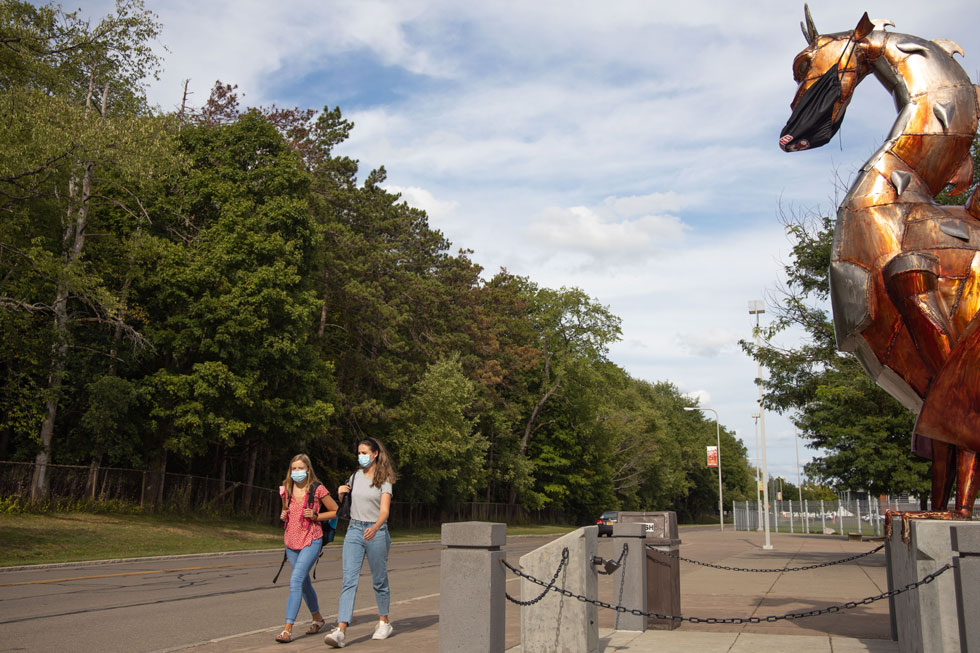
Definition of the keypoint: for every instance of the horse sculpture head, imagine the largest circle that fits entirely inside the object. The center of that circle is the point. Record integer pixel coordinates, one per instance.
(827, 71)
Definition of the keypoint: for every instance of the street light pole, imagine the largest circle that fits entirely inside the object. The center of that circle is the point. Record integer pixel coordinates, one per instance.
(721, 505)
(757, 307)
(799, 483)
(758, 474)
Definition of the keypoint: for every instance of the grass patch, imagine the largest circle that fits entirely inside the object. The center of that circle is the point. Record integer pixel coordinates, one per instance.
(27, 539)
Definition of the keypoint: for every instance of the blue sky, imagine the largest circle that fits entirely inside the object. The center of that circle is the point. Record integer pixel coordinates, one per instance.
(627, 148)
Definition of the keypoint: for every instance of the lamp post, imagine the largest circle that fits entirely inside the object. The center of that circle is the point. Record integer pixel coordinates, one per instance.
(758, 474)
(799, 482)
(757, 308)
(721, 505)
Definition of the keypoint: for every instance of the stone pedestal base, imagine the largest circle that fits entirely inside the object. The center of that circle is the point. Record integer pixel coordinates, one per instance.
(558, 624)
(926, 619)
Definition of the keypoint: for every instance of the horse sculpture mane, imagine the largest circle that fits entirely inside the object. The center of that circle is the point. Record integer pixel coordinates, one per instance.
(905, 271)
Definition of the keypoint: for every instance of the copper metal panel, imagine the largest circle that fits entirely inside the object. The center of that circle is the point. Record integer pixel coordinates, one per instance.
(923, 72)
(969, 297)
(915, 191)
(869, 234)
(973, 206)
(935, 156)
(928, 234)
(873, 190)
(925, 211)
(955, 263)
(950, 291)
(905, 360)
(924, 119)
(849, 286)
(884, 319)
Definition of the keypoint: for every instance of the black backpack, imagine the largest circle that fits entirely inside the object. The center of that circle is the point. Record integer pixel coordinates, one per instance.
(329, 528)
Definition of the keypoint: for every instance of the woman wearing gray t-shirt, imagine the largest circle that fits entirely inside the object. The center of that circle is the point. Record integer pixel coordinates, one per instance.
(367, 535)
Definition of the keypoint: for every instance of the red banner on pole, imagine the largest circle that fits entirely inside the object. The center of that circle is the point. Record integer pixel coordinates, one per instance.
(712, 456)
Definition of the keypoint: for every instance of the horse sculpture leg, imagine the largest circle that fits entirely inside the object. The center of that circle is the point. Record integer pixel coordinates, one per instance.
(943, 466)
(912, 282)
(967, 482)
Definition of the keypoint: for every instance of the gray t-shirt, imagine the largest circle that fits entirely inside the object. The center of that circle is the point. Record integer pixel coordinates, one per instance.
(365, 504)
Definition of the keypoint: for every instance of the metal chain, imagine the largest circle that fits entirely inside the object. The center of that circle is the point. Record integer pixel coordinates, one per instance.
(733, 620)
(551, 585)
(619, 562)
(778, 570)
(622, 579)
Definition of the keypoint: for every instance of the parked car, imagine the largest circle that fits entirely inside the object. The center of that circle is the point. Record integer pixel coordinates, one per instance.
(606, 521)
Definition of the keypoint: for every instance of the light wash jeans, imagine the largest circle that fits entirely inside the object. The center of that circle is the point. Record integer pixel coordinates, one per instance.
(377, 554)
(300, 585)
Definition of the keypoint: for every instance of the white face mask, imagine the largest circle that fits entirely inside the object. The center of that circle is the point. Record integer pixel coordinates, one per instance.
(364, 459)
(298, 476)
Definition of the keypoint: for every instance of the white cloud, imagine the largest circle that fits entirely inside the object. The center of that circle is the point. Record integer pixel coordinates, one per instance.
(651, 203)
(709, 343)
(439, 212)
(702, 397)
(604, 241)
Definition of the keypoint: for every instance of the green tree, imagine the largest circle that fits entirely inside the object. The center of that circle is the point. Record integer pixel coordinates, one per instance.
(230, 304)
(441, 457)
(79, 149)
(571, 330)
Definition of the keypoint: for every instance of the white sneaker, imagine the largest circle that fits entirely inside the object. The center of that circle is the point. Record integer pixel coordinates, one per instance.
(382, 630)
(335, 638)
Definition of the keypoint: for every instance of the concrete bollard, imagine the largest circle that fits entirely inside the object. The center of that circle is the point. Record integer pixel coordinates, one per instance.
(925, 618)
(556, 623)
(630, 580)
(663, 570)
(471, 586)
(965, 539)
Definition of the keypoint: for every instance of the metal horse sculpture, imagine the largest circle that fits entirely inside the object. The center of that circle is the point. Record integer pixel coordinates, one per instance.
(905, 271)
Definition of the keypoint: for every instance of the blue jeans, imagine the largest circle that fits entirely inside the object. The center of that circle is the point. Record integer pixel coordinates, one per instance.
(300, 585)
(377, 554)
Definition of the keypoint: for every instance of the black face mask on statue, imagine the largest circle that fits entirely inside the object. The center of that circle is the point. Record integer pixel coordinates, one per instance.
(812, 122)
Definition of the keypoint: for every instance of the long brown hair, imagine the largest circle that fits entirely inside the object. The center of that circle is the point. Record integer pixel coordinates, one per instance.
(310, 475)
(384, 470)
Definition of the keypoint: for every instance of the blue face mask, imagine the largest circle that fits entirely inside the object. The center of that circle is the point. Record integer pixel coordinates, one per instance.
(363, 459)
(299, 476)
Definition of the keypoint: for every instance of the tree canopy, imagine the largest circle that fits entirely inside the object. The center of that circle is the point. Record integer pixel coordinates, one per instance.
(212, 290)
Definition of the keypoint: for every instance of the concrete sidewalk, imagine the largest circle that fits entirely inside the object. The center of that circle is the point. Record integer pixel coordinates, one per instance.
(705, 592)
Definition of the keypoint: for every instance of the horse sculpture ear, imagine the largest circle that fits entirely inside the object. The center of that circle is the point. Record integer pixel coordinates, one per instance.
(864, 27)
(809, 29)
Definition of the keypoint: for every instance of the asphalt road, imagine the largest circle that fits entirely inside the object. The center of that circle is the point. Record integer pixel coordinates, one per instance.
(162, 604)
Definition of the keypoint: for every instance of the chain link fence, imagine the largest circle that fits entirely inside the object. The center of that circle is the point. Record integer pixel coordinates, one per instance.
(76, 485)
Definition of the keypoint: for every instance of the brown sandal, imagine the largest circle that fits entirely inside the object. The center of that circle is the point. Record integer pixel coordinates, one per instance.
(315, 627)
(284, 637)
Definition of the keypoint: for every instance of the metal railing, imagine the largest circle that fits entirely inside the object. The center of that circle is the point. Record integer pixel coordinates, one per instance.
(858, 516)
